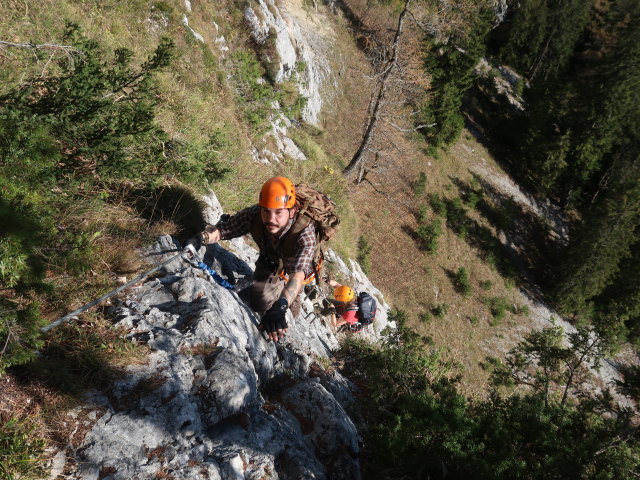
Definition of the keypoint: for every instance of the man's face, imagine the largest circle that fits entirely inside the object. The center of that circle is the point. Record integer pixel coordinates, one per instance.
(275, 219)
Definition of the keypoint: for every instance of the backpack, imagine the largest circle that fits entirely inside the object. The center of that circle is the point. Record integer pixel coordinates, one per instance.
(367, 308)
(320, 208)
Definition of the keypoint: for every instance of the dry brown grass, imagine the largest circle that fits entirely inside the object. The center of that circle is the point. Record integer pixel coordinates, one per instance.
(416, 281)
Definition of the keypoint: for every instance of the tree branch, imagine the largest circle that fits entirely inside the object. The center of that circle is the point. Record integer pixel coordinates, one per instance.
(53, 46)
(354, 164)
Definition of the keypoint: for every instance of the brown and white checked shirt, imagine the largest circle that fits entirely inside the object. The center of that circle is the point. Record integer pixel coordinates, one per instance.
(302, 261)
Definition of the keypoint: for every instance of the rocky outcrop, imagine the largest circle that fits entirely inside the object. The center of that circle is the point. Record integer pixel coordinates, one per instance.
(294, 44)
(297, 46)
(215, 400)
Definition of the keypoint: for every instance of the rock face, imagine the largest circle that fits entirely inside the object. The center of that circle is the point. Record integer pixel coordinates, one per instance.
(215, 400)
(300, 42)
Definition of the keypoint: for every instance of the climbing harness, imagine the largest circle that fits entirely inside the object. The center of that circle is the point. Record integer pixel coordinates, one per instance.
(309, 278)
(188, 254)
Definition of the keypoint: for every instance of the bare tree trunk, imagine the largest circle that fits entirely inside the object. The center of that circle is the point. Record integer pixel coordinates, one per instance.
(358, 157)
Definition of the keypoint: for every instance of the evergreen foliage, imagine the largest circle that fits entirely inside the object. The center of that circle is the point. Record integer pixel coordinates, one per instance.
(419, 425)
(256, 96)
(95, 116)
(618, 306)
(450, 65)
(603, 240)
(364, 254)
(461, 282)
(66, 137)
(541, 36)
(577, 142)
(581, 112)
(428, 234)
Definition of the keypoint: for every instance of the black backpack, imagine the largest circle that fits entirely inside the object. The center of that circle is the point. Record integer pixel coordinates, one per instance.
(367, 308)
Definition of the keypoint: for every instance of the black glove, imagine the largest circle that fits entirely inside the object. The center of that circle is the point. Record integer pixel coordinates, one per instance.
(328, 308)
(274, 319)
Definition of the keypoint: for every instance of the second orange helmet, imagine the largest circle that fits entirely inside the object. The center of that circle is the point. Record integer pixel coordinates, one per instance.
(343, 293)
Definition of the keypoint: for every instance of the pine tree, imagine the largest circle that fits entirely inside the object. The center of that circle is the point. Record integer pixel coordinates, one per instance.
(90, 119)
(604, 237)
(618, 306)
(577, 119)
(542, 36)
(451, 66)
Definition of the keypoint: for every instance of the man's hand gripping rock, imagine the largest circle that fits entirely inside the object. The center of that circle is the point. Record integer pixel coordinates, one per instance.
(274, 320)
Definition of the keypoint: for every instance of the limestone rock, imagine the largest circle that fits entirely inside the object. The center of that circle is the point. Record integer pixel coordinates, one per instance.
(214, 399)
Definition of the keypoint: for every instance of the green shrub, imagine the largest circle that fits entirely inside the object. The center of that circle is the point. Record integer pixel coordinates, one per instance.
(291, 101)
(364, 254)
(472, 200)
(498, 306)
(519, 309)
(518, 88)
(13, 262)
(422, 213)
(440, 311)
(19, 332)
(486, 284)
(509, 282)
(415, 420)
(456, 213)
(428, 234)
(438, 205)
(66, 140)
(492, 259)
(20, 453)
(420, 184)
(461, 282)
(97, 110)
(254, 95)
(425, 317)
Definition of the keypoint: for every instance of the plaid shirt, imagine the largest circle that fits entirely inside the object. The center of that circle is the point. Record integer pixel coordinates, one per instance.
(302, 261)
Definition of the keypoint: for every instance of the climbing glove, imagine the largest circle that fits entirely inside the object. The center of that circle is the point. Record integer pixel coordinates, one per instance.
(274, 319)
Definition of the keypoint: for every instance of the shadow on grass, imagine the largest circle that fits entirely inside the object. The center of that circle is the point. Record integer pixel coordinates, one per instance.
(498, 127)
(77, 357)
(173, 204)
(521, 249)
(524, 248)
(460, 284)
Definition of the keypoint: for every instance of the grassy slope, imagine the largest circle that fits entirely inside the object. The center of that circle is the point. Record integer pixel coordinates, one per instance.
(198, 98)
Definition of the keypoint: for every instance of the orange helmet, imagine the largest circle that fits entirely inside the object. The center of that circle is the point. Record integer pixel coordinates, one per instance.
(277, 192)
(343, 293)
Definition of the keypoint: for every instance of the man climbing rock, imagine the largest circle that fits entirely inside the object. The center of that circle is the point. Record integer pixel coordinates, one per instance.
(356, 311)
(346, 306)
(287, 241)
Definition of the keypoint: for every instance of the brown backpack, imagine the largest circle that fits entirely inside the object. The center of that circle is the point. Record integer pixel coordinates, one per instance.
(317, 207)
(320, 208)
